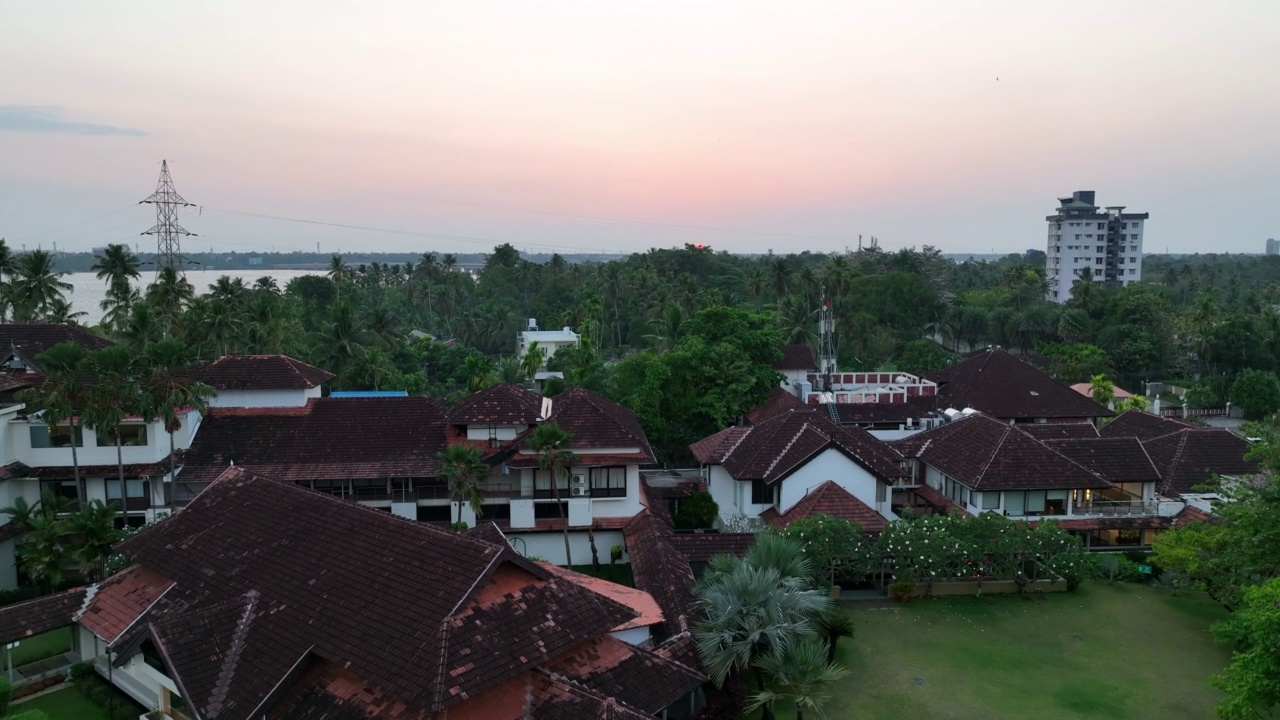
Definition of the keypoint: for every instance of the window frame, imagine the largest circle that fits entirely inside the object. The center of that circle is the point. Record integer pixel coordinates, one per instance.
(607, 481)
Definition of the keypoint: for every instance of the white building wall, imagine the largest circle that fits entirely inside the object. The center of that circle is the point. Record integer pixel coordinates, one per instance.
(481, 432)
(264, 398)
(550, 545)
(156, 449)
(833, 465)
(724, 490)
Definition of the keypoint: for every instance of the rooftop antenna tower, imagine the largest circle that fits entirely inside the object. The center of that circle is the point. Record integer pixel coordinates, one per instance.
(827, 342)
(167, 230)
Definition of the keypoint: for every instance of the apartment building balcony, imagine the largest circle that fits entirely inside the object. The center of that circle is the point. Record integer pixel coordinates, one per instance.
(1114, 508)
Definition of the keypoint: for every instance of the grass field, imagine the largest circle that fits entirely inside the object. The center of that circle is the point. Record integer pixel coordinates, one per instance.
(1105, 651)
(39, 647)
(64, 704)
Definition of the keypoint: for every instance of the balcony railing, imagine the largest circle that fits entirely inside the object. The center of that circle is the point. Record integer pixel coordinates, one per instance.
(1115, 508)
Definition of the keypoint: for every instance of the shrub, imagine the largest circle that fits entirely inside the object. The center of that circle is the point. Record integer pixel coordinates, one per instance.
(698, 510)
(726, 704)
(902, 588)
(1117, 568)
(79, 670)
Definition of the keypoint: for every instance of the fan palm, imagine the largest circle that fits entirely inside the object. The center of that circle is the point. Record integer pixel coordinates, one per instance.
(551, 443)
(464, 468)
(802, 675)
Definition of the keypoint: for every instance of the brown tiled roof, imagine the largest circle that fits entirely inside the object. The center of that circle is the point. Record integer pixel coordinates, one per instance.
(330, 438)
(21, 621)
(832, 500)
(121, 600)
(1188, 457)
(1003, 386)
(261, 372)
(67, 472)
(646, 608)
(1142, 425)
(31, 339)
(936, 500)
(988, 454)
(778, 401)
(659, 569)
(1060, 430)
(713, 449)
(796, 357)
(886, 413)
(701, 547)
(1192, 514)
(594, 421)
(498, 405)
(554, 698)
(782, 444)
(640, 678)
(280, 574)
(1119, 460)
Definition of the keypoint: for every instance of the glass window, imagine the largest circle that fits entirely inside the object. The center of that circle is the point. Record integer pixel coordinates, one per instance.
(63, 488)
(130, 436)
(1035, 500)
(542, 484)
(136, 488)
(609, 481)
(59, 437)
(761, 495)
(990, 500)
(882, 492)
(1014, 502)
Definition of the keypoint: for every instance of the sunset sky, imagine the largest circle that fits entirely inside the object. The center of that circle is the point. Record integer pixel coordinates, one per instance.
(611, 126)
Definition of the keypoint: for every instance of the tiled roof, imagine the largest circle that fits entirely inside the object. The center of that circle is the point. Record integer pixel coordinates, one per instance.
(646, 608)
(553, 698)
(832, 500)
(713, 449)
(701, 547)
(498, 405)
(330, 438)
(1119, 460)
(1086, 389)
(1003, 386)
(21, 621)
(778, 401)
(1192, 514)
(782, 444)
(988, 454)
(594, 421)
(279, 574)
(261, 372)
(120, 600)
(31, 339)
(873, 414)
(1188, 458)
(658, 569)
(640, 678)
(796, 357)
(1060, 430)
(67, 472)
(1142, 425)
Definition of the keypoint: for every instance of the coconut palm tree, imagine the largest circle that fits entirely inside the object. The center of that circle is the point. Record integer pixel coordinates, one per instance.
(532, 360)
(119, 266)
(801, 674)
(341, 340)
(36, 286)
(166, 389)
(170, 294)
(93, 533)
(1102, 390)
(464, 468)
(551, 443)
(510, 371)
(114, 396)
(62, 396)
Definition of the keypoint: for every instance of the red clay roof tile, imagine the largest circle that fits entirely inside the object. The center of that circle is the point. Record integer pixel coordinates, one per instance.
(1003, 386)
(260, 372)
(832, 500)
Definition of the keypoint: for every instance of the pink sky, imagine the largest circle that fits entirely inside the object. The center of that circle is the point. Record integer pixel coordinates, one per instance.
(825, 120)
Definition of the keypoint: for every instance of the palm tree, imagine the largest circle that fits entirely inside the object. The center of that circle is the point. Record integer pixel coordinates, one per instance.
(36, 286)
(169, 294)
(62, 396)
(114, 396)
(341, 341)
(464, 468)
(166, 389)
(802, 674)
(1102, 390)
(20, 513)
(119, 266)
(93, 532)
(532, 360)
(44, 550)
(510, 371)
(551, 443)
(6, 275)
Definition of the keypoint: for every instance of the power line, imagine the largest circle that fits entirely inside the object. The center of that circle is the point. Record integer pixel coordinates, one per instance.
(534, 211)
(82, 222)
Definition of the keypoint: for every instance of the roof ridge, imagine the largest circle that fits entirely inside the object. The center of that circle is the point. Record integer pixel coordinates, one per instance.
(786, 448)
(994, 451)
(228, 669)
(1177, 453)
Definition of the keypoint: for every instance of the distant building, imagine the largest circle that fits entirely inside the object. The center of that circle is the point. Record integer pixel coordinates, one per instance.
(1273, 246)
(548, 340)
(1105, 241)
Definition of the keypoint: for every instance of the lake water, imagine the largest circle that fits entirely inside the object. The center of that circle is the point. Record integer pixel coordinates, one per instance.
(89, 291)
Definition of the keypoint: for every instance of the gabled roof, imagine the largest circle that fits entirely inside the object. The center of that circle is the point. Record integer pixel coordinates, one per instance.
(120, 600)
(31, 339)
(25, 619)
(896, 413)
(701, 547)
(1119, 460)
(779, 401)
(1142, 425)
(498, 405)
(832, 500)
(260, 372)
(796, 357)
(773, 449)
(646, 608)
(636, 676)
(1086, 389)
(1060, 430)
(594, 422)
(329, 438)
(279, 576)
(1003, 386)
(713, 449)
(658, 569)
(987, 454)
(1191, 457)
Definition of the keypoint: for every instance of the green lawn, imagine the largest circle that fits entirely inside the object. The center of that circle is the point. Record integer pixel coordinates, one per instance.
(64, 704)
(39, 647)
(1105, 651)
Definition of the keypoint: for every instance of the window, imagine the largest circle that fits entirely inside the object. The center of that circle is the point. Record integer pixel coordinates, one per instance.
(1077, 236)
(1133, 248)
(1014, 502)
(542, 484)
(59, 437)
(1132, 271)
(1102, 226)
(493, 436)
(435, 513)
(882, 492)
(64, 489)
(990, 501)
(1089, 236)
(550, 510)
(609, 481)
(130, 436)
(761, 495)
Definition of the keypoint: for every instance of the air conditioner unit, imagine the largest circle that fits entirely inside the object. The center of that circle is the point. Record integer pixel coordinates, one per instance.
(577, 491)
(578, 481)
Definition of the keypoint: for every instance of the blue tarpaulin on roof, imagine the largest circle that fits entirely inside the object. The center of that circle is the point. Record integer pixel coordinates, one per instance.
(368, 393)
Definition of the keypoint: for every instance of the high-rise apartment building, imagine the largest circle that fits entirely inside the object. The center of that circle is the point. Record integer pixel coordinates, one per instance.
(1273, 246)
(1105, 242)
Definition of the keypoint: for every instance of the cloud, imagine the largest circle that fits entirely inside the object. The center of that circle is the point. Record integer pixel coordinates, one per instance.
(32, 119)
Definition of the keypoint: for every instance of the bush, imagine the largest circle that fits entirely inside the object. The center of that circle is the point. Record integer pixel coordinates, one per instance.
(698, 510)
(1257, 392)
(726, 704)
(79, 670)
(1117, 568)
(902, 588)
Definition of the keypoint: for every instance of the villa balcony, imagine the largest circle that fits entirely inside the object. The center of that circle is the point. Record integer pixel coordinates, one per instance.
(1114, 508)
